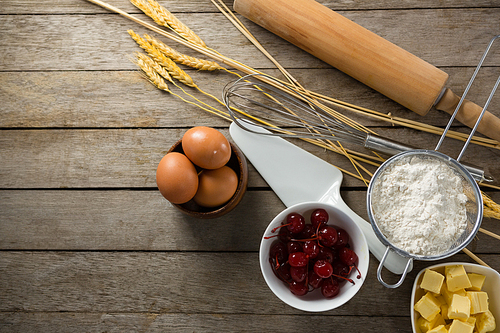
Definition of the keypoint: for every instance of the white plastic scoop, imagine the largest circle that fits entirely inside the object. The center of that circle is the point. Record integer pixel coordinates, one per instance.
(296, 176)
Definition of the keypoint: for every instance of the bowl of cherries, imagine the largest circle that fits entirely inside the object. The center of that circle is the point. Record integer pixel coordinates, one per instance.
(314, 257)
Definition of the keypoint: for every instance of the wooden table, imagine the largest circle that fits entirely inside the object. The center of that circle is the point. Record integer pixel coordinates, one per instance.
(87, 243)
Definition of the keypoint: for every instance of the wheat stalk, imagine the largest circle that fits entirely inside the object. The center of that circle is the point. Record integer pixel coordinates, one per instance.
(175, 71)
(152, 75)
(161, 14)
(153, 64)
(201, 64)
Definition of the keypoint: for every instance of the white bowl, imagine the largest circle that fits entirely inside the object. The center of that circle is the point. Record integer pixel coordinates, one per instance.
(491, 285)
(314, 301)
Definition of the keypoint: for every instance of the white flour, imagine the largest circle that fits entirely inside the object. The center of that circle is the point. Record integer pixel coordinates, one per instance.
(419, 206)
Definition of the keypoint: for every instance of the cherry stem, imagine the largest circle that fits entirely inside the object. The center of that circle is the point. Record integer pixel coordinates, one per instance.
(342, 277)
(359, 273)
(269, 237)
(281, 226)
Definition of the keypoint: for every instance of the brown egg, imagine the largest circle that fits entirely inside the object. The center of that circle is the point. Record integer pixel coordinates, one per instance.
(216, 187)
(176, 178)
(206, 147)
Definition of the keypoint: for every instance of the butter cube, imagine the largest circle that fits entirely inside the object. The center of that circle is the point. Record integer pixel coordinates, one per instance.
(444, 311)
(438, 329)
(476, 280)
(426, 325)
(432, 281)
(478, 301)
(485, 322)
(428, 306)
(458, 326)
(472, 320)
(448, 295)
(459, 308)
(456, 278)
(440, 299)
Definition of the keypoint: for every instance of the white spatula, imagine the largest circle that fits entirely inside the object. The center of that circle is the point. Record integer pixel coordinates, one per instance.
(296, 176)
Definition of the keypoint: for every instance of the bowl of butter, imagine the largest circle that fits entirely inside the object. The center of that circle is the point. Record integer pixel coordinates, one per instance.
(456, 298)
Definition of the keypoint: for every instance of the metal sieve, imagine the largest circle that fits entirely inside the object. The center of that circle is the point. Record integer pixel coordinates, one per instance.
(474, 204)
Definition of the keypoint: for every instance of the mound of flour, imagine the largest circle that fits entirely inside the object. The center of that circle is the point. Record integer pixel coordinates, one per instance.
(419, 205)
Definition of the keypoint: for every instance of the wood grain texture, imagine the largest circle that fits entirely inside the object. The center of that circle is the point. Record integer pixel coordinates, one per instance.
(160, 322)
(103, 99)
(180, 6)
(170, 282)
(143, 221)
(128, 158)
(76, 41)
(87, 244)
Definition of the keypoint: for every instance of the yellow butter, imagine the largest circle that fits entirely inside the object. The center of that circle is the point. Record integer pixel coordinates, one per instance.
(456, 278)
(458, 326)
(428, 306)
(440, 298)
(444, 311)
(478, 301)
(426, 325)
(423, 324)
(459, 307)
(485, 322)
(472, 320)
(476, 280)
(438, 329)
(448, 295)
(432, 281)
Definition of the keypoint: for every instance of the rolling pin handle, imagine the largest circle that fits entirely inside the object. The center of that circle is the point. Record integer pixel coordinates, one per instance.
(469, 113)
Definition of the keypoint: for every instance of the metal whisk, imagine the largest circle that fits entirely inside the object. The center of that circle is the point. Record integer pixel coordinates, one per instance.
(291, 114)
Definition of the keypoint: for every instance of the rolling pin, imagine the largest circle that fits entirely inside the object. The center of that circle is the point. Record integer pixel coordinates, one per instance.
(367, 57)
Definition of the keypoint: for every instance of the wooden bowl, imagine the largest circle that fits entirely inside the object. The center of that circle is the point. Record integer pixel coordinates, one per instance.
(238, 163)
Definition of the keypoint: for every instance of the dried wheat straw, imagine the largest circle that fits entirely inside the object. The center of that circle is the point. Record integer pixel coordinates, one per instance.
(152, 75)
(156, 66)
(201, 64)
(162, 14)
(175, 71)
(157, 80)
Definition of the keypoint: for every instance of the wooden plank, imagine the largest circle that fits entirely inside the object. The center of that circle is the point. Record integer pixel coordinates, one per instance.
(54, 322)
(144, 221)
(127, 158)
(195, 283)
(179, 6)
(76, 41)
(106, 99)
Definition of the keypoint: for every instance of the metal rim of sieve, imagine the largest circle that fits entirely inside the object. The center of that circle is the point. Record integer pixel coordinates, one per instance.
(460, 170)
(466, 238)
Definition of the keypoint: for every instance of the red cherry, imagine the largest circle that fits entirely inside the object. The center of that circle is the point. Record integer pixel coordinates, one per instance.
(323, 268)
(311, 248)
(298, 288)
(330, 288)
(319, 216)
(298, 274)
(298, 259)
(348, 256)
(327, 236)
(342, 239)
(314, 280)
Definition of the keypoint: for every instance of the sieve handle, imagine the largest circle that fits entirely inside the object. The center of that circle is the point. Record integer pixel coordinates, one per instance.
(403, 275)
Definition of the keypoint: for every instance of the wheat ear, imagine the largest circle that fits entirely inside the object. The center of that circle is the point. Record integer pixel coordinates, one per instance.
(157, 80)
(157, 67)
(183, 59)
(161, 14)
(152, 75)
(175, 71)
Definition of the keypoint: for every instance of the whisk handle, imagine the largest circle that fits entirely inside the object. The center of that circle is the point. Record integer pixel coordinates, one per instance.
(468, 114)
(386, 146)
